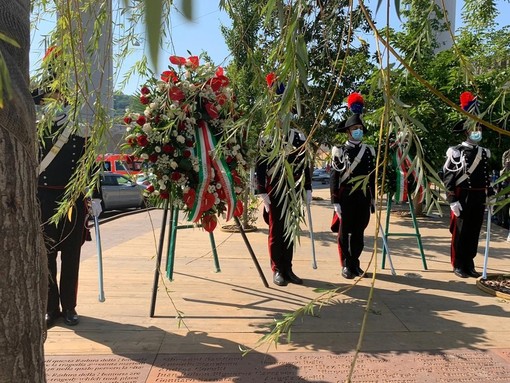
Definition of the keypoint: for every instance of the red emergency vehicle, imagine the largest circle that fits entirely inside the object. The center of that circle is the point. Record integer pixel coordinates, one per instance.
(120, 163)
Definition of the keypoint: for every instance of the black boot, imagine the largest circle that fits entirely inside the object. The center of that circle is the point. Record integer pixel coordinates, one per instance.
(293, 278)
(278, 279)
(71, 318)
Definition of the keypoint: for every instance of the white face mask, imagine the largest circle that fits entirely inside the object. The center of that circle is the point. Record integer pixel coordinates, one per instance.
(475, 136)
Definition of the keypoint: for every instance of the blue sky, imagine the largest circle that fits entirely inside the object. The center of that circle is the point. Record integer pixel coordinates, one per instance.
(203, 35)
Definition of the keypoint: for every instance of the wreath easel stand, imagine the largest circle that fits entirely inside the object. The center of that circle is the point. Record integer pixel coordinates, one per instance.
(172, 239)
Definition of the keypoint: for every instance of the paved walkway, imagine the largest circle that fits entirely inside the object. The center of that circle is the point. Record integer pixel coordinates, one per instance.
(421, 325)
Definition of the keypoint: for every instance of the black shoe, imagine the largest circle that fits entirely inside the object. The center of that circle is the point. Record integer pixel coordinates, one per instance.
(51, 318)
(278, 279)
(460, 273)
(293, 278)
(473, 273)
(347, 273)
(71, 318)
(359, 272)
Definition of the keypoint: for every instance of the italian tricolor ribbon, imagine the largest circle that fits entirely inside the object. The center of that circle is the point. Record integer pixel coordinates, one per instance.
(208, 160)
(402, 165)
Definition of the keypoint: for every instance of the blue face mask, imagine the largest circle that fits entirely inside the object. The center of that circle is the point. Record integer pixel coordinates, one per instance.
(475, 136)
(357, 134)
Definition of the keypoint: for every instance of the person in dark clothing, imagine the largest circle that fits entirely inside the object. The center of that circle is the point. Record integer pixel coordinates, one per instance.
(60, 151)
(281, 245)
(467, 182)
(352, 204)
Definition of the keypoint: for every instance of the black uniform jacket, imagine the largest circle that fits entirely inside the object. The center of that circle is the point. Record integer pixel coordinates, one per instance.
(458, 167)
(343, 158)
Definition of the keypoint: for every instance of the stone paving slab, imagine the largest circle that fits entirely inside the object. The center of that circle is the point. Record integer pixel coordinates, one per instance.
(424, 367)
(422, 325)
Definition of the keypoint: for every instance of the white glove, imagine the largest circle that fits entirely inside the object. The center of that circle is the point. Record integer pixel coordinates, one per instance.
(266, 201)
(456, 208)
(95, 207)
(308, 197)
(338, 210)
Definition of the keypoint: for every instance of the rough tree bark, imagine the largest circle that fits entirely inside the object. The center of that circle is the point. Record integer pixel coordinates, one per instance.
(23, 270)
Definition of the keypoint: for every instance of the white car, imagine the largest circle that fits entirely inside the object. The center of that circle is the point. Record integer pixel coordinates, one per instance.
(321, 175)
(120, 192)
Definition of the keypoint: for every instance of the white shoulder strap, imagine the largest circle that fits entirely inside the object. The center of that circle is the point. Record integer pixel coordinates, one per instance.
(61, 141)
(472, 168)
(355, 163)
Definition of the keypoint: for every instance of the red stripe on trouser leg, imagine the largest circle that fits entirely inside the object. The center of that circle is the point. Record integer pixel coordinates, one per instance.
(453, 230)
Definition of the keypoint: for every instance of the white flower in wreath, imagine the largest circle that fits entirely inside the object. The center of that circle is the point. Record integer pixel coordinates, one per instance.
(173, 164)
(196, 168)
(162, 86)
(144, 156)
(147, 128)
(180, 139)
(157, 149)
(165, 177)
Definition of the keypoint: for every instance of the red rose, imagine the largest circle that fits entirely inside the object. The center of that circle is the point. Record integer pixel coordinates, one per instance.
(239, 208)
(128, 120)
(218, 82)
(209, 222)
(182, 126)
(186, 154)
(176, 94)
(177, 60)
(167, 148)
(144, 100)
(142, 140)
(211, 110)
(219, 72)
(189, 143)
(169, 75)
(144, 90)
(141, 120)
(194, 62)
(229, 159)
(131, 141)
(157, 120)
(221, 98)
(150, 188)
(164, 194)
(176, 176)
(153, 157)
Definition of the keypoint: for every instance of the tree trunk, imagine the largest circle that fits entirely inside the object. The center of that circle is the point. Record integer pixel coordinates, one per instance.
(23, 269)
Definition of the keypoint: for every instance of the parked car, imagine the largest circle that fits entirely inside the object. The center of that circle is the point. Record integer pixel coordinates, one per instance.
(321, 175)
(145, 179)
(118, 192)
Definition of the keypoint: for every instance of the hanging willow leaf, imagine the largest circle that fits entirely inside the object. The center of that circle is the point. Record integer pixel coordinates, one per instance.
(154, 10)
